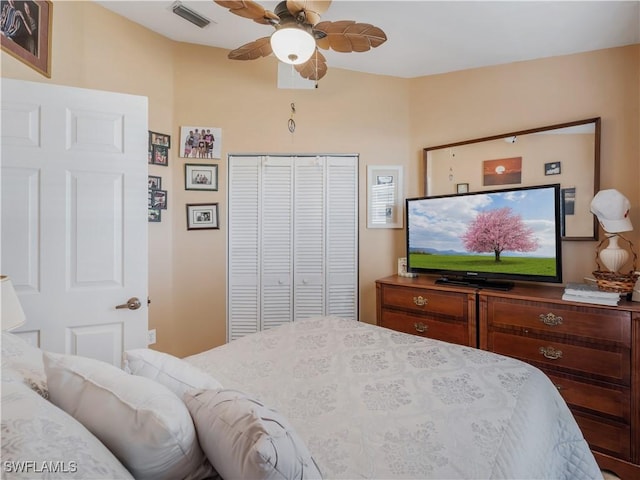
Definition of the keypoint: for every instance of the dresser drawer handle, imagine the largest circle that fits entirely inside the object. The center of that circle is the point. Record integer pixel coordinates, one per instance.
(550, 319)
(421, 327)
(550, 353)
(420, 301)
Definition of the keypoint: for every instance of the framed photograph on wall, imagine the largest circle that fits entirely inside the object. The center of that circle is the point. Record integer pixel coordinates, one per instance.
(160, 155)
(200, 142)
(161, 139)
(26, 32)
(158, 199)
(503, 171)
(384, 196)
(202, 216)
(155, 183)
(552, 168)
(155, 215)
(462, 187)
(200, 177)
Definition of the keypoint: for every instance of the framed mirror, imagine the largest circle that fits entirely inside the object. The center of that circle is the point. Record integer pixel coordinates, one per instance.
(565, 153)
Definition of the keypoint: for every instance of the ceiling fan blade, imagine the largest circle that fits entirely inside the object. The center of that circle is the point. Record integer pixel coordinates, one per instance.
(252, 50)
(349, 36)
(251, 10)
(313, 69)
(312, 9)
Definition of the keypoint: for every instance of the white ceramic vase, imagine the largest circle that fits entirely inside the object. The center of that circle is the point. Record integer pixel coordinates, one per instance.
(613, 257)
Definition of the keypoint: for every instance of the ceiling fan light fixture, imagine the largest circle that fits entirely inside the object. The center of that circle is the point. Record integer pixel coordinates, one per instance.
(292, 45)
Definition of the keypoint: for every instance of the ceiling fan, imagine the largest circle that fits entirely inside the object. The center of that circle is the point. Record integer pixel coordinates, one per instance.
(299, 33)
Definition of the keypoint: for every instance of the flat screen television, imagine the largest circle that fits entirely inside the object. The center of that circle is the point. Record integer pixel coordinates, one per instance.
(487, 239)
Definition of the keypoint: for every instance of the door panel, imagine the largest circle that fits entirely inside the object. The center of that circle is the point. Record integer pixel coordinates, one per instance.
(74, 215)
(21, 185)
(96, 242)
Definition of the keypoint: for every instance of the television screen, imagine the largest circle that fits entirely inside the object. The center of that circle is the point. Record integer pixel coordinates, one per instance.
(487, 239)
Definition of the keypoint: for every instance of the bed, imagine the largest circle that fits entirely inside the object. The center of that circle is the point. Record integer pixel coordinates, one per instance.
(321, 397)
(374, 403)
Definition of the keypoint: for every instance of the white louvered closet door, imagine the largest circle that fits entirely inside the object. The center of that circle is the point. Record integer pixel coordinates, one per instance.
(276, 242)
(292, 240)
(243, 288)
(341, 256)
(309, 239)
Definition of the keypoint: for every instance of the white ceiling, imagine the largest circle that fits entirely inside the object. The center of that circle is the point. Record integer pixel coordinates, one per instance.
(424, 37)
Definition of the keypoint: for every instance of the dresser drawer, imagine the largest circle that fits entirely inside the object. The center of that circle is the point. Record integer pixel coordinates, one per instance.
(614, 401)
(452, 332)
(576, 321)
(605, 437)
(613, 366)
(433, 302)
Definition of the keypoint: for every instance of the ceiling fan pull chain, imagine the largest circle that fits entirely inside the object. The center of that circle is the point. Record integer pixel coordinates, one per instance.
(292, 122)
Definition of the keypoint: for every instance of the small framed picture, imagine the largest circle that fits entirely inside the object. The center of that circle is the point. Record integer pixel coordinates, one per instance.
(462, 187)
(202, 216)
(155, 183)
(161, 139)
(155, 215)
(552, 168)
(158, 199)
(200, 177)
(160, 155)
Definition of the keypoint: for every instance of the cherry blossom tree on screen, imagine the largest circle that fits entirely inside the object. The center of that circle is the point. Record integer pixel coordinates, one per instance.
(499, 230)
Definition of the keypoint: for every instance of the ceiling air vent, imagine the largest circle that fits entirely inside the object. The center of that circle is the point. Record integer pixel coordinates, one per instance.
(190, 15)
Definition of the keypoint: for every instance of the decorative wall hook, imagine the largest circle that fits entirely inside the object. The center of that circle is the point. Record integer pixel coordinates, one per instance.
(292, 123)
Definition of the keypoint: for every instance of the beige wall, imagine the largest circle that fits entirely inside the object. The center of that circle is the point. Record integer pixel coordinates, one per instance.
(383, 119)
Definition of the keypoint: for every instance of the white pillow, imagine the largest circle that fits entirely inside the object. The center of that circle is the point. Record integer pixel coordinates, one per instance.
(142, 422)
(172, 372)
(243, 439)
(35, 430)
(25, 359)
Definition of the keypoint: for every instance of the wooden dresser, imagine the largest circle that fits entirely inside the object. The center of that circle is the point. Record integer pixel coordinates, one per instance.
(590, 352)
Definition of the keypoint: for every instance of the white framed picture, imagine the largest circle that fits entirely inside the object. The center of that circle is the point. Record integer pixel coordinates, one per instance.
(384, 196)
(200, 142)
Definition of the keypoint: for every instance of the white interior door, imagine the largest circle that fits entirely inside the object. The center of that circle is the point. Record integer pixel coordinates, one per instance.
(74, 215)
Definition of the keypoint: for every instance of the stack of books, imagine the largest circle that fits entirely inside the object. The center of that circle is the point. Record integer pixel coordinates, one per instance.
(589, 293)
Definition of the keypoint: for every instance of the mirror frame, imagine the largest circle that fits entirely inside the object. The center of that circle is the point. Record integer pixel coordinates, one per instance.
(596, 157)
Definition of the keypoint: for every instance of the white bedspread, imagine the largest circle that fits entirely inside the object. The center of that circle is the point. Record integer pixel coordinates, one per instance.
(374, 403)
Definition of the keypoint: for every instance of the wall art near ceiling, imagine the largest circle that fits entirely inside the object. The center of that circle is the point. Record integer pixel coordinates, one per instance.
(200, 142)
(26, 32)
(503, 171)
(200, 177)
(202, 216)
